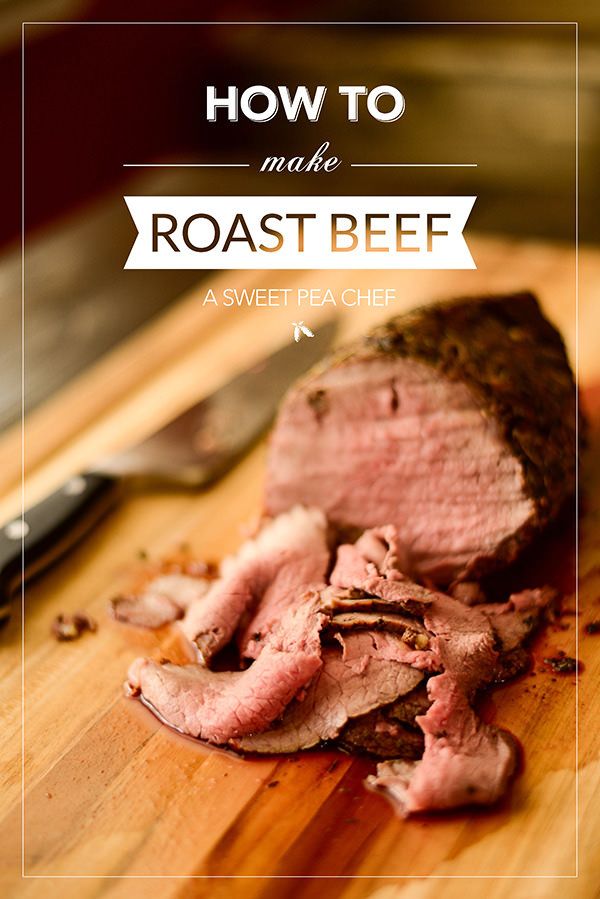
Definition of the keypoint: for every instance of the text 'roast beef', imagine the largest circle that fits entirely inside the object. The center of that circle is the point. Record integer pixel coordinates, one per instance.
(454, 423)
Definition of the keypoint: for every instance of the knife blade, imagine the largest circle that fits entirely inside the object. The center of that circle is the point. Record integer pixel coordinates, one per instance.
(193, 450)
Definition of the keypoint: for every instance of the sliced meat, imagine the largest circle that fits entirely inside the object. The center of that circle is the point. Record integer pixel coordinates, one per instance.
(380, 594)
(266, 577)
(455, 423)
(409, 630)
(389, 732)
(363, 673)
(464, 760)
(392, 732)
(220, 705)
(377, 551)
(373, 660)
(379, 599)
(162, 600)
(515, 620)
(464, 642)
(474, 770)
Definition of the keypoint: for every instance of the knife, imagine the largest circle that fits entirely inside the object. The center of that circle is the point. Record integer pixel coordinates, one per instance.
(194, 450)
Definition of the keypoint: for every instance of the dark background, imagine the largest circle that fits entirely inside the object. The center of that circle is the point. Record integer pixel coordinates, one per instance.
(97, 96)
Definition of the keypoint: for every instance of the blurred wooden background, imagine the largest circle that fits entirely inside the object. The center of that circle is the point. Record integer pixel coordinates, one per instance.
(99, 96)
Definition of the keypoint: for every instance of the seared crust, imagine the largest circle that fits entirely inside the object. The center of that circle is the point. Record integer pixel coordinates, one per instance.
(389, 732)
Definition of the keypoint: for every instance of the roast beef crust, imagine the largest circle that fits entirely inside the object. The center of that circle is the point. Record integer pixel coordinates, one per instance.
(391, 731)
(514, 362)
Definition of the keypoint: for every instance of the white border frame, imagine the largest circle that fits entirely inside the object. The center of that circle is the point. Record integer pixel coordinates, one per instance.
(25, 876)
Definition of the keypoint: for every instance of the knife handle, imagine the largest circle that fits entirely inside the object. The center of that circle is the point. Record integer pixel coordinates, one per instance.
(50, 529)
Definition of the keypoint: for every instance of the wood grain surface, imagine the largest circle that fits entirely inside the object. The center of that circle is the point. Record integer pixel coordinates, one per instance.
(111, 796)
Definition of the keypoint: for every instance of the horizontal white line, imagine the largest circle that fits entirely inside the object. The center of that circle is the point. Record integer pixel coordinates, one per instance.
(413, 165)
(354, 165)
(302, 22)
(300, 876)
(186, 165)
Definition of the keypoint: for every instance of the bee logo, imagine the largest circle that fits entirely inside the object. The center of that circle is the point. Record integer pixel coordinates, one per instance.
(299, 329)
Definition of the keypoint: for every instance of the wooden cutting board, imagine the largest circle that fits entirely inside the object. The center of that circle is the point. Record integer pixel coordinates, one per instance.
(111, 796)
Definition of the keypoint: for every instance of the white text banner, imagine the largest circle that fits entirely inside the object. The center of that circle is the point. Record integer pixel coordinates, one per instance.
(296, 232)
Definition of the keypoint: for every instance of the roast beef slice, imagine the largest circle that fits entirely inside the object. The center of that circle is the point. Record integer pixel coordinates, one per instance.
(363, 673)
(268, 575)
(160, 601)
(217, 706)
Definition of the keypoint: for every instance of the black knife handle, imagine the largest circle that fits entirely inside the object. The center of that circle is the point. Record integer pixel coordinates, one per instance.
(49, 530)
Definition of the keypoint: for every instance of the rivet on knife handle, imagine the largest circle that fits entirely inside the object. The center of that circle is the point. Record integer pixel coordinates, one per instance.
(51, 528)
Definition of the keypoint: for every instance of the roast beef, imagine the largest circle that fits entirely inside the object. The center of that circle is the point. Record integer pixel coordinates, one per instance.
(364, 672)
(162, 600)
(515, 620)
(258, 584)
(454, 423)
(471, 763)
(410, 630)
(464, 760)
(389, 732)
(370, 658)
(220, 705)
